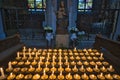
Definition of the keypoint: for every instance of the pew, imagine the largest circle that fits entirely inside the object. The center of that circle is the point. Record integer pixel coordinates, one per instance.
(110, 48)
(9, 46)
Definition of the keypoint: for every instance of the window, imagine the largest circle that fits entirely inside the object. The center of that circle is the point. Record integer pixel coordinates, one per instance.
(37, 5)
(85, 5)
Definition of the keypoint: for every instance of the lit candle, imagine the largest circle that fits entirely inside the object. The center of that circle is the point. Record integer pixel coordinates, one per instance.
(39, 65)
(96, 67)
(2, 72)
(60, 72)
(36, 55)
(44, 72)
(75, 48)
(9, 65)
(29, 50)
(24, 54)
(69, 75)
(18, 54)
(101, 74)
(31, 66)
(85, 75)
(24, 48)
(111, 67)
(101, 55)
(29, 55)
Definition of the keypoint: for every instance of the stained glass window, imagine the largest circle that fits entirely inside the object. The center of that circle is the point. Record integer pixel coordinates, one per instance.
(85, 5)
(36, 5)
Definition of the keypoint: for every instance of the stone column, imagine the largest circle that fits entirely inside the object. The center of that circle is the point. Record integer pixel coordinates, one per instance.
(50, 14)
(72, 13)
(2, 33)
(117, 32)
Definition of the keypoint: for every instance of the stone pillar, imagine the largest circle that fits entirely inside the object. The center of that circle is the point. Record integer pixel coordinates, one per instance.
(50, 14)
(2, 33)
(72, 13)
(117, 32)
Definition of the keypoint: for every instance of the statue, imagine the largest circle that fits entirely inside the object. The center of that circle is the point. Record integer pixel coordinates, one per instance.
(62, 19)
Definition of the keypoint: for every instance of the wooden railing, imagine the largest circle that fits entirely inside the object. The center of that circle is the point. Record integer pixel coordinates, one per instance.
(9, 42)
(112, 46)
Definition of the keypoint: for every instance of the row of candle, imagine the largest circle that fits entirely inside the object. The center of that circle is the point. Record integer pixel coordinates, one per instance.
(57, 50)
(63, 54)
(68, 76)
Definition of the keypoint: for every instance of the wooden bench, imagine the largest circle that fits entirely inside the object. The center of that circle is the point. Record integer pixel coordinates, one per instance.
(9, 46)
(110, 48)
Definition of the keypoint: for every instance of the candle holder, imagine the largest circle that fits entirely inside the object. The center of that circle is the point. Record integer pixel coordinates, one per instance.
(96, 69)
(89, 69)
(86, 63)
(108, 76)
(95, 58)
(71, 58)
(85, 76)
(60, 68)
(69, 76)
(16, 70)
(116, 76)
(92, 63)
(14, 62)
(68, 69)
(103, 69)
(110, 69)
(73, 63)
(36, 76)
(75, 69)
(77, 58)
(24, 69)
(77, 76)
(31, 69)
(20, 63)
(52, 76)
(27, 62)
(89, 58)
(11, 76)
(19, 76)
(79, 63)
(34, 63)
(82, 69)
(93, 77)
(28, 76)
(83, 58)
(60, 76)
(46, 69)
(100, 76)
(105, 63)
(53, 69)
(44, 76)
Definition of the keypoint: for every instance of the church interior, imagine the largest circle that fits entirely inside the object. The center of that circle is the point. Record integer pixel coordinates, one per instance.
(59, 39)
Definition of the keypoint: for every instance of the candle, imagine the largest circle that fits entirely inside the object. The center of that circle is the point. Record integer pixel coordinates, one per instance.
(101, 55)
(75, 48)
(96, 67)
(101, 74)
(111, 67)
(39, 65)
(9, 65)
(18, 54)
(2, 72)
(24, 54)
(85, 75)
(24, 48)
(29, 54)
(31, 66)
(29, 50)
